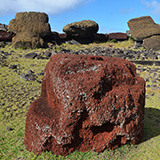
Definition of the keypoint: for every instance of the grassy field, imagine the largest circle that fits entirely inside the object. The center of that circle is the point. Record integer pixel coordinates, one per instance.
(17, 94)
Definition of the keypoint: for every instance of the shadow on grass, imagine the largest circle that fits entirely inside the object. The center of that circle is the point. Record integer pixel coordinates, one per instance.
(151, 123)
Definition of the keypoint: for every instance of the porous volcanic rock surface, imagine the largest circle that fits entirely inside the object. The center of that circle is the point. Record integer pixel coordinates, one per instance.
(86, 103)
(30, 28)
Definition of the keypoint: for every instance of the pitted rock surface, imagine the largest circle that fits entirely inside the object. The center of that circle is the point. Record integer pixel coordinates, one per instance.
(86, 103)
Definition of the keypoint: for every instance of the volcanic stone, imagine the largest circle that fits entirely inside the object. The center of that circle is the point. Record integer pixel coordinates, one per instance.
(84, 29)
(143, 27)
(99, 37)
(30, 28)
(86, 103)
(3, 27)
(152, 42)
(118, 36)
(31, 22)
(6, 36)
(30, 55)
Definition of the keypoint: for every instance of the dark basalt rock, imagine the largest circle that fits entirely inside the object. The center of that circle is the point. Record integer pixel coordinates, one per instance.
(30, 55)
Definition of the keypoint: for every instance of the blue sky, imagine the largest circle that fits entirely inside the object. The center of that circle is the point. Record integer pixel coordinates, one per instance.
(111, 15)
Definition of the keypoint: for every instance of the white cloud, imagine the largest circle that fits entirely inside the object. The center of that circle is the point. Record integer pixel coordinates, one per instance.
(154, 5)
(48, 6)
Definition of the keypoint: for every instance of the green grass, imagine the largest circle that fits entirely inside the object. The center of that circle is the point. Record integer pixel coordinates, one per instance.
(123, 45)
(16, 96)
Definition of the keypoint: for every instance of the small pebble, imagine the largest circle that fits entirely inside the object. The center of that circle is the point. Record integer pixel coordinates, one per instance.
(154, 81)
(146, 79)
(9, 129)
(20, 158)
(148, 86)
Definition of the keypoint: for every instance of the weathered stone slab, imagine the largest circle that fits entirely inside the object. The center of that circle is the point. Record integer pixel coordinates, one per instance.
(152, 42)
(86, 103)
(118, 36)
(143, 27)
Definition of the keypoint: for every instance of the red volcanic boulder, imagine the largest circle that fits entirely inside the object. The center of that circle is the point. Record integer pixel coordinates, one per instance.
(118, 36)
(6, 36)
(86, 103)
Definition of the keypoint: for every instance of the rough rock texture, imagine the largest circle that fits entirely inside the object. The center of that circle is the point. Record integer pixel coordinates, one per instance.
(143, 27)
(52, 37)
(99, 37)
(118, 36)
(27, 40)
(83, 29)
(86, 103)
(6, 36)
(33, 24)
(62, 36)
(152, 42)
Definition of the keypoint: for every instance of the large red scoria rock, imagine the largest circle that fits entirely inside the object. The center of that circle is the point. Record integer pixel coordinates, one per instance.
(86, 103)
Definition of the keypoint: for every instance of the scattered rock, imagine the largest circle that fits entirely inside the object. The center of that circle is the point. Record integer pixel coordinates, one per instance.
(20, 158)
(13, 66)
(72, 42)
(89, 103)
(6, 54)
(2, 44)
(30, 55)
(148, 86)
(9, 129)
(138, 44)
(48, 54)
(3, 27)
(146, 79)
(29, 76)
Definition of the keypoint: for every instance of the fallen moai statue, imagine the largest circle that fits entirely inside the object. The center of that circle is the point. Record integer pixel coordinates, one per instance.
(86, 103)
